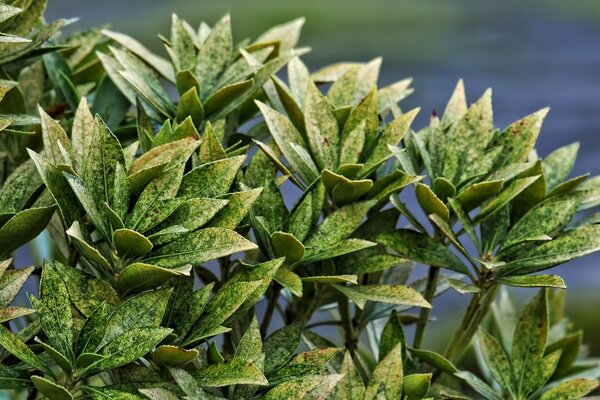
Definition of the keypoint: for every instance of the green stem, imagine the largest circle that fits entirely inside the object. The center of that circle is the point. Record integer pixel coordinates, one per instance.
(351, 336)
(432, 279)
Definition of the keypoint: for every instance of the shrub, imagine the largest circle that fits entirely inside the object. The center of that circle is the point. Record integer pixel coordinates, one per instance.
(181, 270)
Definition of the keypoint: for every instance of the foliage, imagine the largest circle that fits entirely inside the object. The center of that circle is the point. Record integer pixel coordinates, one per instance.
(200, 245)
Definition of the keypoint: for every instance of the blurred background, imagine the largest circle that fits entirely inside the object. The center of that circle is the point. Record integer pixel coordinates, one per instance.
(534, 54)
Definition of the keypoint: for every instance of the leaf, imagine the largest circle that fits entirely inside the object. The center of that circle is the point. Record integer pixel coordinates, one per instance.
(55, 315)
(128, 347)
(457, 105)
(190, 106)
(286, 245)
(313, 254)
(23, 227)
(212, 179)
(571, 244)
(280, 345)
(145, 310)
(176, 152)
(233, 372)
(11, 343)
(86, 291)
(186, 304)
(351, 385)
(478, 385)
(54, 137)
(435, 360)
(529, 342)
(238, 206)
(534, 281)
(558, 165)
(391, 335)
(92, 331)
(307, 363)
(299, 389)
(250, 346)
(472, 196)
(508, 194)
(430, 203)
(421, 248)
(289, 280)
(103, 393)
(390, 294)
(173, 356)
(12, 312)
(520, 137)
(11, 282)
(321, 128)
(19, 188)
(571, 389)
(214, 55)
(138, 277)
(221, 307)
(51, 389)
(226, 95)
(497, 361)
(158, 394)
(332, 279)
(198, 247)
(416, 386)
(388, 374)
(339, 225)
(130, 243)
(188, 384)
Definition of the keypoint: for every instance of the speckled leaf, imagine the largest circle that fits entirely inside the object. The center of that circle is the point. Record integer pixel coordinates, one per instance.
(212, 179)
(158, 394)
(546, 218)
(214, 55)
(330, 250)
(505, 196)
(103, 155)
(92, 205)
(50, 389)
(199, 247)
(571, 389)
(457, 105)
(421, 248)
(321, 128)
(472, 196)
(529, 342)
(233, 372)
(280, 345)
(353, 145)
(89, 252)
(24, 226)
(145, 310)
(129, 346)
(340, 224)
(534, 281)
(11, 343)
(225, 96)
(54, 136)
(319, 385)
(186, 304)
(290, 142)
(92, 331)
(194, 213)
(238, 206)
(138, 277)
(176, 152)
(103, 393)
(13, 312)
(188, 384)
(519, 138)
(391, 335)
(19, 188)
(86, 291)
(286, 245)
(390, 294)
(559, 164)
(11, 283)
(497, 361)
(173, 355)
(55, 313)
(332, 279)
(221, 307)
(300, 220)
(130, 243)
(387, 375)
(389, 96)
(478, 385)
(250, 346)
(351, 385)
(430, 203)
(289, 280)
(190, 106)
(565, 247)
(307, 363)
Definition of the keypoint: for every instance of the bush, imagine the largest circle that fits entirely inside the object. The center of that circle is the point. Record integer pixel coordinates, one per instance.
(180, 270)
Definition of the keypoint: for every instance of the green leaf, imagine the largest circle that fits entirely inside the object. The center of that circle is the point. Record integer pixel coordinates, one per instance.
(11, 282)
(186, 304)
(366, 111)
(250, 346)
(391, 335)
(130, 243)
(13, 312)
(299, 389)
(226, 95)
(313, 254)
(353, 145)
(158, 394)
(86, 291)
(198, 247)
(214, 55)
(321, 128)
(194, 213)
(529, 342)
(238, 206)
(457, 105)
(559, 164)
(351, 385)
(289, 280)
(233, 372)
(92, 331)
(390, 294)
(190, 106)
(280, 345)
(51, 389)
(387, 375)
(339, 225)
(174, 356)
(176, 152)
(138, 277)
(478, 385)
(497, 361)
(421, 248)
(188, 384)
(430, 203)
(286, 245)
(508, 194)
(566, 246)
(212, 179)
(472, 196)
(55, 314)
(54, 137)
(534, 281)
(435, 360)
(221, 307)
(145, 310)
(103, 393)
(182, 47)
(23, 227)
(571, 389)
(128, 347)
(332, 279)
(416, 386)
(19, 188)
(19, 349)
(519, 138)
(303, 364)
(211, 148)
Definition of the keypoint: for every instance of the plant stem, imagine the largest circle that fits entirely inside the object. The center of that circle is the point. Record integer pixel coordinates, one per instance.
(432, 279)
(351, 337)
(271, 304)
